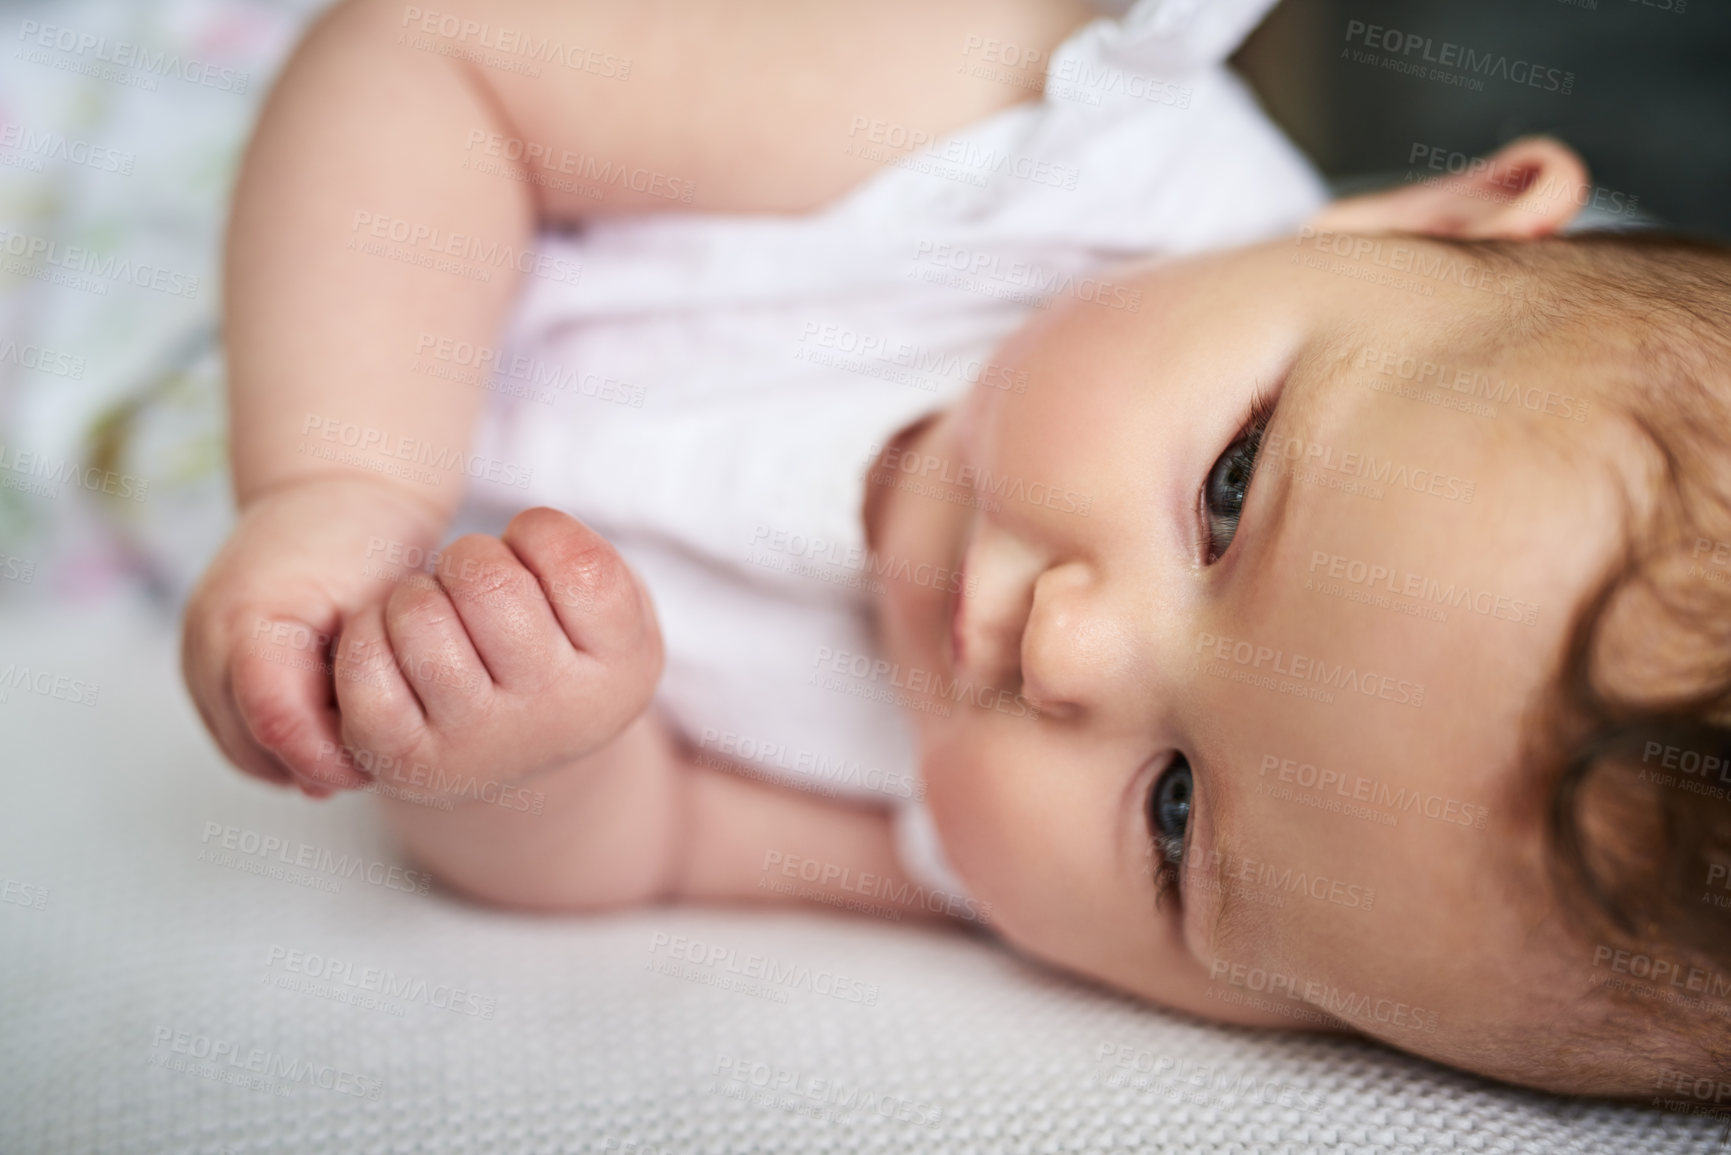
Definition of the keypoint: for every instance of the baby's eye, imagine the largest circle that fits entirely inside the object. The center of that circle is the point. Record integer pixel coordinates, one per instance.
(1169, 809)
(1223, 492)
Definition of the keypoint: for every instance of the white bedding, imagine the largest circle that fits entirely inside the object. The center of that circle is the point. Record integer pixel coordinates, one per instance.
(498, 1033)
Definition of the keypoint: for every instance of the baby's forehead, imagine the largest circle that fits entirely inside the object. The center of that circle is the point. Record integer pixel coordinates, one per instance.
(1436, 394)
(1402, 540)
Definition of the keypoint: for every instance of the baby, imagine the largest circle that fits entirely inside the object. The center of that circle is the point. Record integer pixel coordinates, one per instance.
(1324, 632)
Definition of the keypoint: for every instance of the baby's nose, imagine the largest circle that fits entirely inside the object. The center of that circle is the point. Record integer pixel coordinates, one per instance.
(1077, 653)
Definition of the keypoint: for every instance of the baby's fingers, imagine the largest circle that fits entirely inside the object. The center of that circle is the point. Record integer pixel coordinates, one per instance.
(282, 691)
(429, 647)
(205, 666)
(381, 719)
(505, 613)
(594, 594)
(236, 741)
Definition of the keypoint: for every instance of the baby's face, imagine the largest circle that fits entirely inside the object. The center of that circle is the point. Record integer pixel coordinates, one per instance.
(1330, 668)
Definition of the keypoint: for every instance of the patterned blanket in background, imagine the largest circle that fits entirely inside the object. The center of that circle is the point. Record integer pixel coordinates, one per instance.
(121, 129)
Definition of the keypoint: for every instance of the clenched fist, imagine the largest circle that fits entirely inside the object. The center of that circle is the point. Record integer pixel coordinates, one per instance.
(314, 662)
(522, 653)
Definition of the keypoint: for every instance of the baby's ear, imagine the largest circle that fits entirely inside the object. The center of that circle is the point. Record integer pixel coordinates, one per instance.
(1529, 188)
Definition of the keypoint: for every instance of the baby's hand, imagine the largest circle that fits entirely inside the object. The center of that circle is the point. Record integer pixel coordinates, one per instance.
(257, 631)
(520, 654)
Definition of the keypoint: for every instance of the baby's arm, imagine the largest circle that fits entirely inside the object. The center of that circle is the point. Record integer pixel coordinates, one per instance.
(744, 107)
(533, 658)
(643, 821)
(752, 105)
(321, 337)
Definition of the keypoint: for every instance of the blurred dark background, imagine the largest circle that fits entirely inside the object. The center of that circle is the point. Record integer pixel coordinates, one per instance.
(1650, 109)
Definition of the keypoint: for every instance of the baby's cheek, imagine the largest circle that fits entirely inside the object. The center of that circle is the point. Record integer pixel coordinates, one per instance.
(978, 830)
(965, 806)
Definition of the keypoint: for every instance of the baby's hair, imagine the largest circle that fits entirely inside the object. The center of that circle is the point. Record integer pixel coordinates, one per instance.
(1629, 755)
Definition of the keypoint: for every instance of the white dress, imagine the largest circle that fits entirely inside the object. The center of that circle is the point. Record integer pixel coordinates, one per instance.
(708, 391)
